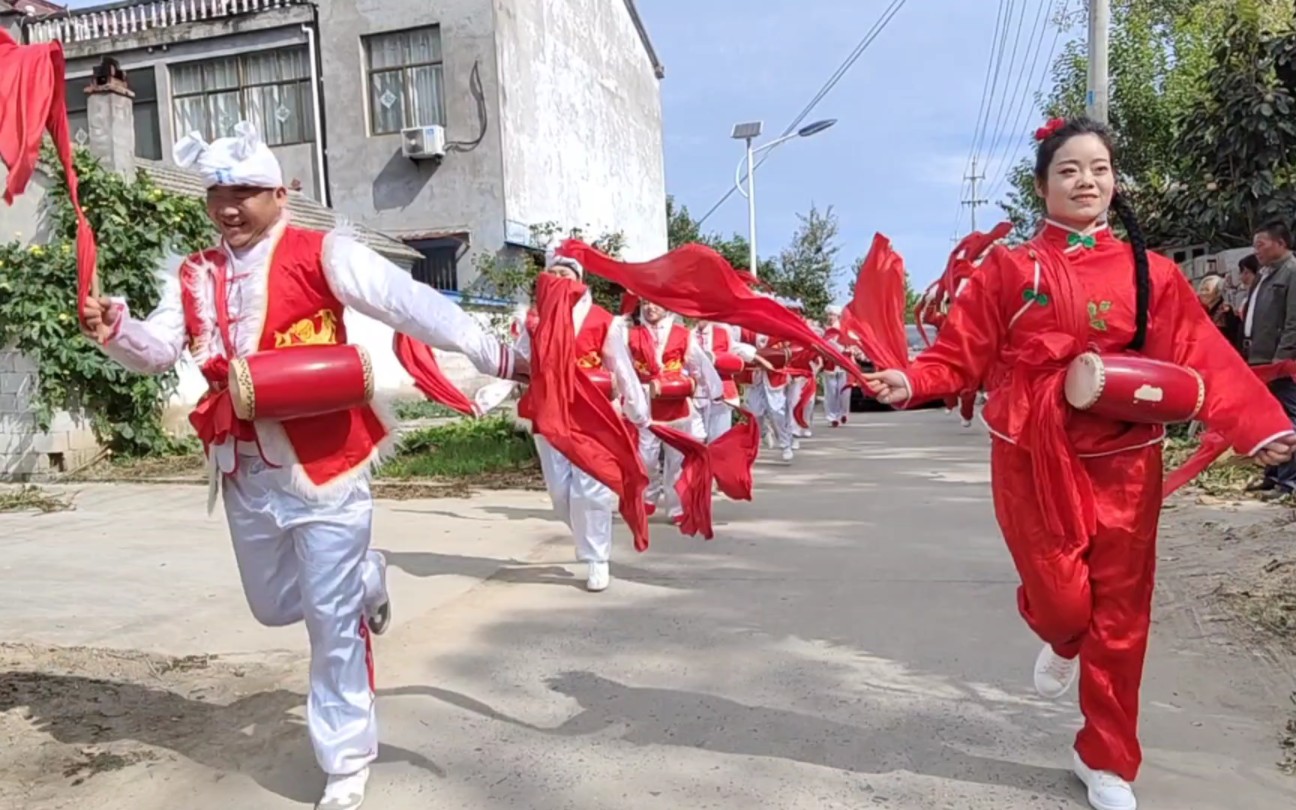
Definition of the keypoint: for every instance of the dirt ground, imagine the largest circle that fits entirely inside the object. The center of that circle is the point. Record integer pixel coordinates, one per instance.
(69, 717)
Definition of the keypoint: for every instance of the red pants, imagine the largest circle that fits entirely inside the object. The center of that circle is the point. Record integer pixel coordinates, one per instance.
(1095, 601)
(965, 402)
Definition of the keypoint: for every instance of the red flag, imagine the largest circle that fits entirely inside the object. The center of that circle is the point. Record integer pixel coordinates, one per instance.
(732, 457)
(420, 362)
(697, 282)
(805, 403)
(875, 317)
(694, 483)
(569, 411)
(1212, 444)
(32, 100)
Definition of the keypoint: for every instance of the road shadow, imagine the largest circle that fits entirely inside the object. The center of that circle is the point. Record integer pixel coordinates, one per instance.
(256, 735)
(646, 716)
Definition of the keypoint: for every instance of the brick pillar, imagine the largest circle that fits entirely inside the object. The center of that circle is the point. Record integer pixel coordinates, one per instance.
(110, 109)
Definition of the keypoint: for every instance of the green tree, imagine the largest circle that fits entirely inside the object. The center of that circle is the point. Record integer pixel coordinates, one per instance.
(511, 277)
(1161, 60)
(1234, 169)
(136, 224)
(807, 267)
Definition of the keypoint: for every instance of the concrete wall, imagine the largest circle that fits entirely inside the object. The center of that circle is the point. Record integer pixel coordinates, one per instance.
(582, 118)
(25, 452)
(22, 222)
(372, 182)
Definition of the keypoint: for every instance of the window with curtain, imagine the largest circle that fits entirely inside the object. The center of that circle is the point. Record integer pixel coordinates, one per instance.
(406, 80)
(148, 131)
(270, 89)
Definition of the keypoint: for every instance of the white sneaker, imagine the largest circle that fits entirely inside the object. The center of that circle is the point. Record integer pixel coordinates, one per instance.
(1054, 674)
(1107, 791)
(967, 423)
(787, 454)
(599, 577)
(796, 444)
(345, 792)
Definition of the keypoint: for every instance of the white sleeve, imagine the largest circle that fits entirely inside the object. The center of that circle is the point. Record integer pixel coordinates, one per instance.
(154, 345)
(523, 345)
(373, 286)
(701, 369)
(616, 356)
(745, 351)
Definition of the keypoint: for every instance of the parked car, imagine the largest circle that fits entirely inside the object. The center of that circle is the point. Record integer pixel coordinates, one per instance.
(860, 402)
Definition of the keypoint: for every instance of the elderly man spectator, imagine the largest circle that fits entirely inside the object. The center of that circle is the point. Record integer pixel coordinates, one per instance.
(1210, 291)
(1269, 329)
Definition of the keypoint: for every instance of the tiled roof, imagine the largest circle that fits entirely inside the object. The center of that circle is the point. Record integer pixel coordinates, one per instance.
(39, 7)
(306, 213)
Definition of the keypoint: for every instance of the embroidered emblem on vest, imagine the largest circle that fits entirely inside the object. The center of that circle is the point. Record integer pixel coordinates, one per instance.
(592, 360)
(306, 332)
(1032, 297)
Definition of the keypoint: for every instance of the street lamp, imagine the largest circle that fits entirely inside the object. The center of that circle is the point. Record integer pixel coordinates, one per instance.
(749, 132)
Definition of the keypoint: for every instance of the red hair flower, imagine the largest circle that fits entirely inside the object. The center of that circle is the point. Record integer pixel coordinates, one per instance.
(1046, 131)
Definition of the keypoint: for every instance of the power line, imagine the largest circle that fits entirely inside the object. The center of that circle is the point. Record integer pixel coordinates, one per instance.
(1006, 169)
(1017, 117)
(878, 27)
(988, 87)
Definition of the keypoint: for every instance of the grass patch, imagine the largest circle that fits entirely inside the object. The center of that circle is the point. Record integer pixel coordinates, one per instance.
(1228, 477)
(32, 499)
(467, 448)
(410, 409)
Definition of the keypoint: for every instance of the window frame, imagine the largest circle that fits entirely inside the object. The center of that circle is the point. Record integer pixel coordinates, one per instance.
(243, 88)
(407, 99)
(452, 245)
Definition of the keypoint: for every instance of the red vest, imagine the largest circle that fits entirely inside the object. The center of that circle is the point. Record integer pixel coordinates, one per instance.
(589, 343)
(721, 344)
(299, 310)
(643, 349)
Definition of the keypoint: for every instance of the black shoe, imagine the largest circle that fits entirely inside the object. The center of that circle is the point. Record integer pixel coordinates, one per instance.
(380, 620)
(1263, 485)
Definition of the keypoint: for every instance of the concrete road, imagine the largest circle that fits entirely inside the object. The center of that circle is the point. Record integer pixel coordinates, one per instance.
(849, 640)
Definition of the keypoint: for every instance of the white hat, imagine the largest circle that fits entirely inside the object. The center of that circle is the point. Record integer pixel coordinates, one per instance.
(554, 260)
(243, 160)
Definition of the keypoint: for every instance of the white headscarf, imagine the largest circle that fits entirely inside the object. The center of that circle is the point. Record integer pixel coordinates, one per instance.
(243, 160)
(554, 260)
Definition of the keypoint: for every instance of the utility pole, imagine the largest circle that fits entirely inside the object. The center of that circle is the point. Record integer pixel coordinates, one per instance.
(1096, 97)
(973, 201)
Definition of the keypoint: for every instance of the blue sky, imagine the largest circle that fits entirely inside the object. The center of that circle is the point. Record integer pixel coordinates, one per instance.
(906, 114)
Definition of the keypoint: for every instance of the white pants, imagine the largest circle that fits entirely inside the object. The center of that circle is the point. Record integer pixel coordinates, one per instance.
(580, 501)
(796, 389)
(770, 407)
(718, 419)
(310, 561)
(836, 395)
(664, 463)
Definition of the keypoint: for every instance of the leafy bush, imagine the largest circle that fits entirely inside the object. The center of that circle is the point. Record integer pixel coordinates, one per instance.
(464, 448)
(135, 224)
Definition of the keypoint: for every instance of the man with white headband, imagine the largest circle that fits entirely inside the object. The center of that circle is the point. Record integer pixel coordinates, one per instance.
(602, 352)
(296, 492)
(669, 361)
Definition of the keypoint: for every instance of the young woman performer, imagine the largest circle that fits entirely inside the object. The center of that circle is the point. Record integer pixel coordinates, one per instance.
(1084, 547)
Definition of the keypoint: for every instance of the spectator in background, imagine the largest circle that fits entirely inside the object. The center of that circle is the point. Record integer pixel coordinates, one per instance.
(1269, 329)
(1210, 291)
(1248, 273)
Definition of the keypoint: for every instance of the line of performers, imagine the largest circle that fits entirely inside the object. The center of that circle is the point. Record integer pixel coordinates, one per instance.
(1085, 343)
(692, 378)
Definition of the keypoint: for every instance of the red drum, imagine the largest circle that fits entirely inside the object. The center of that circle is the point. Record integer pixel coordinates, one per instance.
(674, 388)
(776, 356)
(728, 365)
(300, 381)
(1128, 388)
(602, 380)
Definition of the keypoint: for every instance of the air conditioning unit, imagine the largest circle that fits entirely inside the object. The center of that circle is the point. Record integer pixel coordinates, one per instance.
(423, 143)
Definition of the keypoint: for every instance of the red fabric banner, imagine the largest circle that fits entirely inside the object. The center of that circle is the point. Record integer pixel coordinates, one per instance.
(697, 282)
(875, 317)
(573, 415)
(694, 483)
(733, 455)
(419, 360)
(32, 101)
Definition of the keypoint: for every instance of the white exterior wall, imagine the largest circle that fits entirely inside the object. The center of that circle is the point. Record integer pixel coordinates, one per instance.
(580, 107)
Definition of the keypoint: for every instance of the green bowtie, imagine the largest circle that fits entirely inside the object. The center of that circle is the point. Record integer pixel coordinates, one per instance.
(1087, 241)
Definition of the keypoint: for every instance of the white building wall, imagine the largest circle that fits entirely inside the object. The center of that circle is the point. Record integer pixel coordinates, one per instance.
(580, 107)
